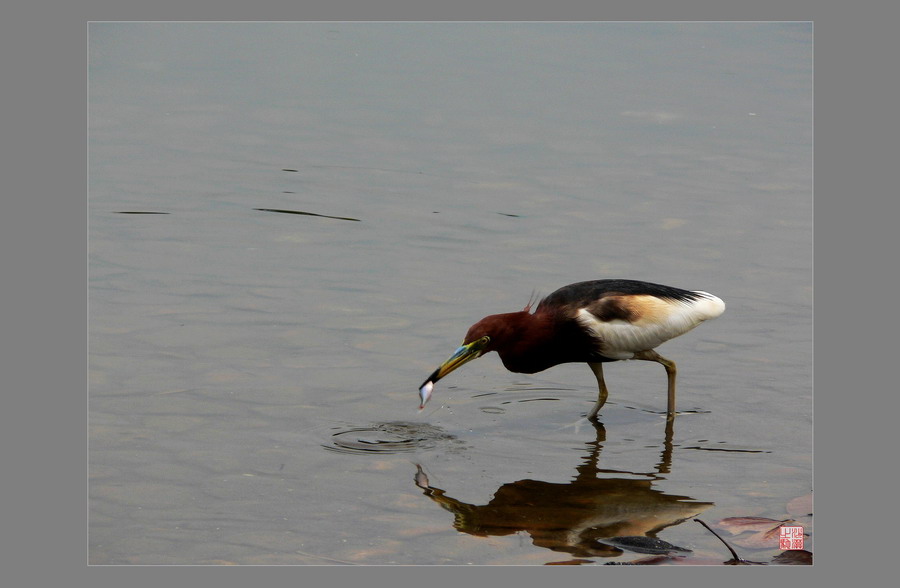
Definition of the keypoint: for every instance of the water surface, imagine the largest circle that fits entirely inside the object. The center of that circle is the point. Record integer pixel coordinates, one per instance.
(292, 224)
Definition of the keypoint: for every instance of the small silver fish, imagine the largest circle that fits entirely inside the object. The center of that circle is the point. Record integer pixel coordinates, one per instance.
(425, 393)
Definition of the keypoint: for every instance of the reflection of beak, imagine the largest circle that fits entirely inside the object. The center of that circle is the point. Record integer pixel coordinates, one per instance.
(464, 354)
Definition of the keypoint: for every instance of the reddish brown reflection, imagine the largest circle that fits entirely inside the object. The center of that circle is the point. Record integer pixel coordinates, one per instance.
(575, 517)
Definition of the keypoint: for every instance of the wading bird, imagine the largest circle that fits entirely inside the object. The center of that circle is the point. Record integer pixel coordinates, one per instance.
(591, 322)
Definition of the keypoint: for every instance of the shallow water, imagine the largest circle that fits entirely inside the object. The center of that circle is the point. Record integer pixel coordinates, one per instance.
(343, 200)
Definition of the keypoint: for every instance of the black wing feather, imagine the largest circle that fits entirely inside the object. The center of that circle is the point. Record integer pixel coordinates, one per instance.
(585, 294)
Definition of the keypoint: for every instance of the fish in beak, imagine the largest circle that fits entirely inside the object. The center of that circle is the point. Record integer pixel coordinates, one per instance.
(464, 354)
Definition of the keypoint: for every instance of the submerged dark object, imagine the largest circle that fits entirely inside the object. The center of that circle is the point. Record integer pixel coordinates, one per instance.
(642, 544)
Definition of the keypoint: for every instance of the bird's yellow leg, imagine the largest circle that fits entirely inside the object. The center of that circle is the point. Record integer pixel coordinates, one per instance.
(597, 368)
(670, 372)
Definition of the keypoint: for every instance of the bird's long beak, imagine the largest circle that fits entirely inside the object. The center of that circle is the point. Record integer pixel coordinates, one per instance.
(464, 354)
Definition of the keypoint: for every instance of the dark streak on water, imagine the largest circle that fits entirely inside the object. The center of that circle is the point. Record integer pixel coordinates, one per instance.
(282, 211)
(727, 450)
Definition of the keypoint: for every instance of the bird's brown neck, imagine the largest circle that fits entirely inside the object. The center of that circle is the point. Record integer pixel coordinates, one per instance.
(529, 343)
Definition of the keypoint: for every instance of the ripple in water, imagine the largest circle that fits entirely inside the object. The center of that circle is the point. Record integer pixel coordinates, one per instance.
(396, 437)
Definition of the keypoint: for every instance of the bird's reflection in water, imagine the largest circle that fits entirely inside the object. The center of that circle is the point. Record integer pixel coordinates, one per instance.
(575, 517)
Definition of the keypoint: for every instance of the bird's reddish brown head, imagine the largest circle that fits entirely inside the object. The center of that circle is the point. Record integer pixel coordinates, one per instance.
(492, 333)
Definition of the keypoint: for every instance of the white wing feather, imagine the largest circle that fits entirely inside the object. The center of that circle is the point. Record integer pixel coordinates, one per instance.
(665, 319)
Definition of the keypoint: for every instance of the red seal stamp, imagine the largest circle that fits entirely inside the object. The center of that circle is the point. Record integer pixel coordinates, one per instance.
(790, 537)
